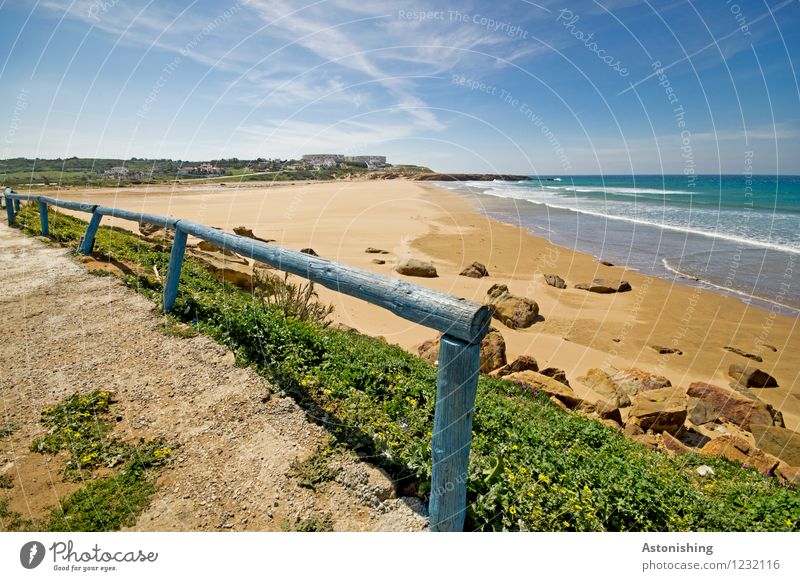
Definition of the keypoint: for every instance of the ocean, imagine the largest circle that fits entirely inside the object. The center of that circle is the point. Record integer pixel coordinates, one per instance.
(736, 234)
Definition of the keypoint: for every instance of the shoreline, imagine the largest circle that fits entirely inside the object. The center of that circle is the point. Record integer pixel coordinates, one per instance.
(580, 330)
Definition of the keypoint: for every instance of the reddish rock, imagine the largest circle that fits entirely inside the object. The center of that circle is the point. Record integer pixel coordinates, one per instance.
(521, 363)
(513, 311)
(493, 351)
(605, 286)
(731, 405)
(673, 444)
(740, 450)
(601, 383)
(475, 270)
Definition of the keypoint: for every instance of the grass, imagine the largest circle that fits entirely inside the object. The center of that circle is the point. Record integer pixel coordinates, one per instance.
(533, 466)
(7, 428)
(79, 425)
(172, 328)
(6, 481)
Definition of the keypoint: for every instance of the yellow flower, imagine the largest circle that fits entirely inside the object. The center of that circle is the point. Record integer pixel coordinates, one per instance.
(523, 470)
(511, 477)
(789, 522)
(543, 478)
(513, 510)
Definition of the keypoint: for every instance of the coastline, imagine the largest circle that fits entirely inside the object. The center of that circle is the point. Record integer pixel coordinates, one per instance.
(341, 219)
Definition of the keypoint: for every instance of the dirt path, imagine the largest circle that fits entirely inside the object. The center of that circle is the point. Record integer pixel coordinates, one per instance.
(64, 330)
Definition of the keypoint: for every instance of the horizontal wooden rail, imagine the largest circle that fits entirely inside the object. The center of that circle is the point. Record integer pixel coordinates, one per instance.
(463, 324)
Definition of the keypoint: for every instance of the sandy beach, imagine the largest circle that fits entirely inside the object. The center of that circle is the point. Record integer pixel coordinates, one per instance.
(580, 330)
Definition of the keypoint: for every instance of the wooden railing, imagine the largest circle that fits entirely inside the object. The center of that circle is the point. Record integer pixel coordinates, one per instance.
(462, 323)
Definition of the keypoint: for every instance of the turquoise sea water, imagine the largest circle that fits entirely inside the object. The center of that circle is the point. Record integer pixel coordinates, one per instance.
(737, 234)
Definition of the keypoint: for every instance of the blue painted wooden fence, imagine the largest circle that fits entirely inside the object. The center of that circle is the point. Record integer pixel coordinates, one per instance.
(462, 323)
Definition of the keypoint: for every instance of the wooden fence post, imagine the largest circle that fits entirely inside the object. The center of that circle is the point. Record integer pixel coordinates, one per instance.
(91, 230)
(9, 208)
(174, 270)
(457, 383)
(43, 218)
(17, 204)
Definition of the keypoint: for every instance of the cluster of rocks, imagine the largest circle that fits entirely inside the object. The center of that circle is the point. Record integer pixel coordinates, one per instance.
(514, 311)
(730, 422)
(598, 285)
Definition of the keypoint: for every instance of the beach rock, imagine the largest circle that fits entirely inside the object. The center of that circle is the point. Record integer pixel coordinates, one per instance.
(605, 286)
(632, 381)
(521, 363)
(738, 351)
(493, 351)
(602, 409)
(673, 444)
(601, 383)
(605, 263)
(475, 270)
(701, 412)
(780, 442)
(248, 233)
(730, 405)
(378, 261)
(372, 250)
(414, 267)
(632, 429)
(666, 350)
(229, 268)
(788, 474)
(660, 410)
(547, 385)
(513, 311)
(652, 441)
(558, 403)
(741, 451)
(207, 246)
(555, 280)
(555, 373)
(154, 232)
(309, 251)
(751, 376)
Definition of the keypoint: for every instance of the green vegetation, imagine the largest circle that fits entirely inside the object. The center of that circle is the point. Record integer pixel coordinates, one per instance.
(312, 471)
(6, 481)
(172, 328)
(7, 428)
(79, 425)
(314, 524)
(533, 466)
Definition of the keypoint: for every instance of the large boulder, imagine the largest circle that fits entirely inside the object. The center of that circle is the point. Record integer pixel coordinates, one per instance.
(741, 451)
(513, 311)
(632, 381)
(780, 442)
(475, 270)
(603, 385)
(555, 281)
(605, 286)
(414, 267)
(207, 246)
(493, 351)
(750, 376)
(547, 385)
(521, 363)
(731, 405)
(660, 410)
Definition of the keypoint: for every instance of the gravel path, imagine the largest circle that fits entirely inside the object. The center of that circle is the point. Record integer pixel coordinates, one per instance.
(65, 330)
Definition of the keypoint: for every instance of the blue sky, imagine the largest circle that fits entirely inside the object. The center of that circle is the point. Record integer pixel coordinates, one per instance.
(537, 88)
